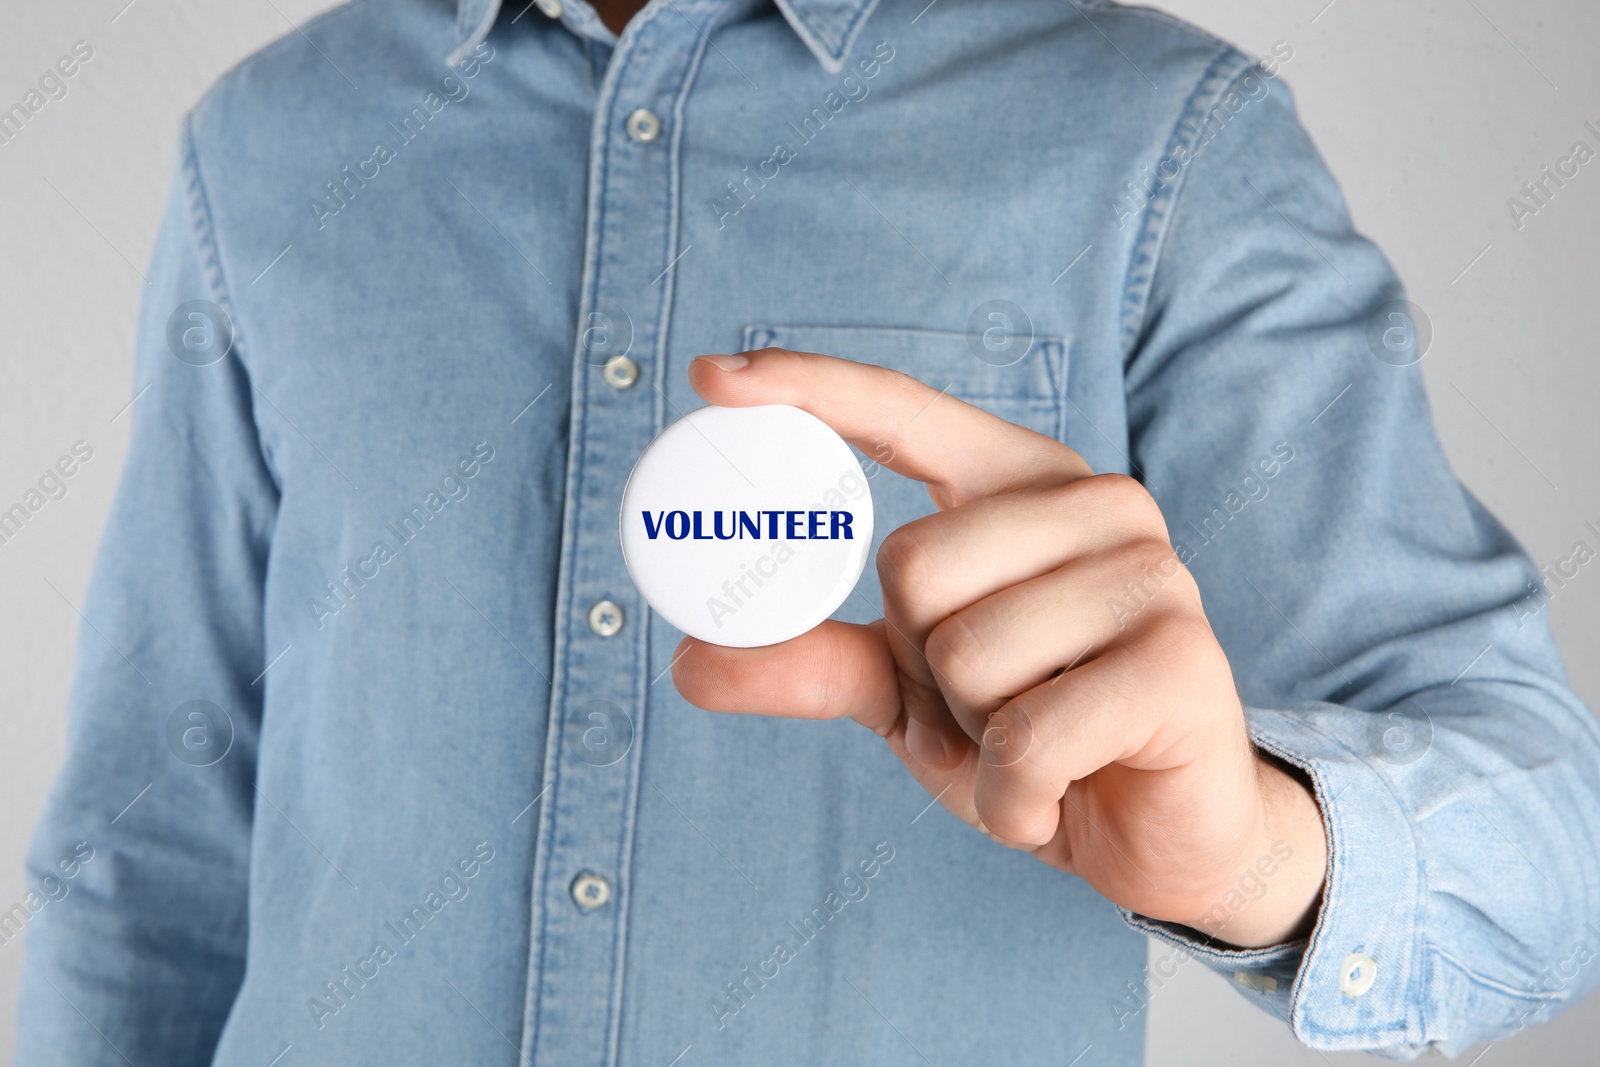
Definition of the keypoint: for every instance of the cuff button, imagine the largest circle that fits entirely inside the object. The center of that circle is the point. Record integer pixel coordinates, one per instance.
(1357, 975)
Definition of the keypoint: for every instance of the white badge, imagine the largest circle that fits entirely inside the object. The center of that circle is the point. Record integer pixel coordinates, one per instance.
(746, 526)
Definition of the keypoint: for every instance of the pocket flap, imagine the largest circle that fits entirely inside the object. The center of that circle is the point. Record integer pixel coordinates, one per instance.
(939, 358)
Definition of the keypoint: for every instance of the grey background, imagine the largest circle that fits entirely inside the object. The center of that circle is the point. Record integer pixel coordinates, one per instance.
(1431, 112)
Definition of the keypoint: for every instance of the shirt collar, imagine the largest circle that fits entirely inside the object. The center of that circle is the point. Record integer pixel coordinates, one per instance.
(828, 27)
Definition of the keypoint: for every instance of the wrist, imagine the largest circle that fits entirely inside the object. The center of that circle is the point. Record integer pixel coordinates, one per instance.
(1278, 891)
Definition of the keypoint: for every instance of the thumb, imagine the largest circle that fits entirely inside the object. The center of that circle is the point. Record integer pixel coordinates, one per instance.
(834, 671)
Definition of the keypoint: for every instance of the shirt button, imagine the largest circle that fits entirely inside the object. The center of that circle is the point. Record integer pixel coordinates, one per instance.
(620, 372)
(1357, 975)
(643, 125)
(552, 8)
(590, 891)
(605, 618)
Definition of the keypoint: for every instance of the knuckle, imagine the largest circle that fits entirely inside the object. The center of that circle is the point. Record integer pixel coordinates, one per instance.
(1145, 572)
(1179, 634)
(1145, 559)
(1157, 557)
(956, 655)
(1128, 501)
(905, 559)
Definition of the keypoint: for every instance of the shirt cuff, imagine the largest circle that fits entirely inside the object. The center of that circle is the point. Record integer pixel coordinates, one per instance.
(1357, 982)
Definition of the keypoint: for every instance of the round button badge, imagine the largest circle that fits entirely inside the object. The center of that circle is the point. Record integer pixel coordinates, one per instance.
(746, 526)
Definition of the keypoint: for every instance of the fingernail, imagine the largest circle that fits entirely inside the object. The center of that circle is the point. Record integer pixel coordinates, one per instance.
(924, 743)
(736, 361)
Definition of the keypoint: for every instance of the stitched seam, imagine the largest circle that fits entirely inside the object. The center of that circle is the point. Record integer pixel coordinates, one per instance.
(561, 650)
(1055, 377)
(832, 58)
(1336, 847)
(1298, 994)
(812, 38)
(1217, 952)
(477, 35)
(855, 26)
(1212, 86)
(1056, 363)
(600, 156)
(204, 230)
(1543, 998)
(663, 320)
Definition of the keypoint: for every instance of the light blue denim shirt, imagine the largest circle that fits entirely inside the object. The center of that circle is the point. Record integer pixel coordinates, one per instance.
(374, 756)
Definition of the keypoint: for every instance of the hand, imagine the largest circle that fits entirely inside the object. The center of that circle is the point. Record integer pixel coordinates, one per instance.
(1044, 666)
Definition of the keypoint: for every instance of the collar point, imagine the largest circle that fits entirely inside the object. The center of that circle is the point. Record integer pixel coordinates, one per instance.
(474, 20)
(829, 29)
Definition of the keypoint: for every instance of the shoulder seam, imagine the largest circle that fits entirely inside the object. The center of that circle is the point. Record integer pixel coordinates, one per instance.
(208, 257)
(204, 231)
(1228, 67)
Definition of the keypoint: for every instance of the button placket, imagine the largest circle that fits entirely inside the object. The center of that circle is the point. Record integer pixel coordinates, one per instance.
(581, 887)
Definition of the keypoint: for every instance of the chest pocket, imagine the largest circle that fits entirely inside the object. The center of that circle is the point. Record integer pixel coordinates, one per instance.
(1030, 392)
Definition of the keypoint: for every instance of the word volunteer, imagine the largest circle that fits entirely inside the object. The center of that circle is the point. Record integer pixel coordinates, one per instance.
(747, 525)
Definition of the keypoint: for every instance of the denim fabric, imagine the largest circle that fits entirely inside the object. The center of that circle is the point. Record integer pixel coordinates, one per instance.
(345, 749)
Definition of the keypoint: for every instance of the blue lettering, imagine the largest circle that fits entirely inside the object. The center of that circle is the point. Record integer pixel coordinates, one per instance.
(726, 526)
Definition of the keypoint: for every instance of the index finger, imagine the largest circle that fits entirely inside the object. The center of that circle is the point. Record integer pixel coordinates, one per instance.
(962, 452)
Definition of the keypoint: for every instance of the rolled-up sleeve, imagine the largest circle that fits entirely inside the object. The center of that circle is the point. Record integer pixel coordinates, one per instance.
(1387, 634)
(141, 860)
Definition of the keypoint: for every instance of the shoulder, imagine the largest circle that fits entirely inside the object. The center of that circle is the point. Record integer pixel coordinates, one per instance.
(1121, 75)
(1186, 67)
(312, 65)
(271, 134)
(317, 86)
